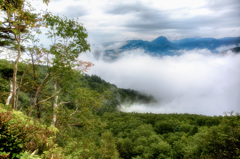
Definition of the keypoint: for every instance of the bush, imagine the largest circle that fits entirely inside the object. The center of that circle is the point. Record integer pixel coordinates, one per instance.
(20, 135)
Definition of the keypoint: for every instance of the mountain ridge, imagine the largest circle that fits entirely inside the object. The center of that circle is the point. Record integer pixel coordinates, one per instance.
(161, 46)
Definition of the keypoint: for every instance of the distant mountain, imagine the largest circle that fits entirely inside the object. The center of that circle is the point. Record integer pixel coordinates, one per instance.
(186, 40)
(162, 46)
(206, 43)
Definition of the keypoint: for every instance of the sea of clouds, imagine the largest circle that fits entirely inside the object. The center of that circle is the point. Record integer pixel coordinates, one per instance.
(196, 81)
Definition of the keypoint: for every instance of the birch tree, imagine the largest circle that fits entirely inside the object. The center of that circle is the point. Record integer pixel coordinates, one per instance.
(69, 40)
(19, 20)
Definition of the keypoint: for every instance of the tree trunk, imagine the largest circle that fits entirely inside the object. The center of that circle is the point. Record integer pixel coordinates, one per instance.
(55, 105)
(15, 75)
(19, 88)
(17, 37)
(11, 92)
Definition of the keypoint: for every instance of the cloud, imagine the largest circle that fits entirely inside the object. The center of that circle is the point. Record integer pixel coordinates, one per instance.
(75, 11)
(190, 20)
(117, 20)
(195, 82)
(152, 20)
(126, 8)
(219, 5)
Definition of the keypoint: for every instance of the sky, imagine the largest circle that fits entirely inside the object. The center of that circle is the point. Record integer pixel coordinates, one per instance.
(197, 81)
(120, 20)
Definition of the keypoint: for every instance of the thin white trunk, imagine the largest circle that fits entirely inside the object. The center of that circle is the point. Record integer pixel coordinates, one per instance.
(55, 105)
(17, 37)
(10, 93)
(15, 69)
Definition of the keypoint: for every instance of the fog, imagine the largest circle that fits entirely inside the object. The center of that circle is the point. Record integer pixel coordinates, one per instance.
(195, 81)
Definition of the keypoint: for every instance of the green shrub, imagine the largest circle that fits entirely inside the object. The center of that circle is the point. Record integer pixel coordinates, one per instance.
(20, 135)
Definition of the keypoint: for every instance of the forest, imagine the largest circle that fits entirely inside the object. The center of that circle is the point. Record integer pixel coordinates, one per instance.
(50, 107)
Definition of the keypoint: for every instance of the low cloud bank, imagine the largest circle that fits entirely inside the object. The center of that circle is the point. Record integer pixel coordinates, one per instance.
(194, 82)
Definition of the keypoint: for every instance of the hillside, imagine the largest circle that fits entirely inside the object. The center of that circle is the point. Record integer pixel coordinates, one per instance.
(113, 96)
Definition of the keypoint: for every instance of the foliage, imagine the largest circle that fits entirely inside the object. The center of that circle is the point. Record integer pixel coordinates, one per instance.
(174, 135)
(107, 146)
(5, 73)
(113, 96)
(223, 141)
(69, 41)
(20, 135)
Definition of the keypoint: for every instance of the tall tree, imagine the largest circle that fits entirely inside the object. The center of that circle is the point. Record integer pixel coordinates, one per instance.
(68, 42)
(19, 19)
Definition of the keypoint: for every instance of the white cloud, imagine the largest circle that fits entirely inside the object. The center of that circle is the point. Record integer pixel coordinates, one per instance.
(119, 20)
(195, 82)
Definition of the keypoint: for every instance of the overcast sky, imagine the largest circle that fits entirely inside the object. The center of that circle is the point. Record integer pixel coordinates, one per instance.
(119, 20)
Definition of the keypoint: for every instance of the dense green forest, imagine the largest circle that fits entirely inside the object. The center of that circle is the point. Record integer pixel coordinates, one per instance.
(119, 135)
(50, 108)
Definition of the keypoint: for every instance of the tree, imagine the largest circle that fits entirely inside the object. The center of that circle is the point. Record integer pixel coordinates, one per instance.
(223, 141)
(17, 23)
(68, 42)
(108, 147)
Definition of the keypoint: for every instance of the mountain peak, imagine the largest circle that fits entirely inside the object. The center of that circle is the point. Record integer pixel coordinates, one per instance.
(160, 40)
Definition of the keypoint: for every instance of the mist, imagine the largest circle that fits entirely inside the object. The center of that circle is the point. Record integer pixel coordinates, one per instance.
(197, 81)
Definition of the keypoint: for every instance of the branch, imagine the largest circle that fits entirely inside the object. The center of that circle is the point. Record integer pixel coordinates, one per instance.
(5, 93)
(48, 81)
(64, 103)
(49, 97)
(74, 111)
(38, 91)
(23, 85)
